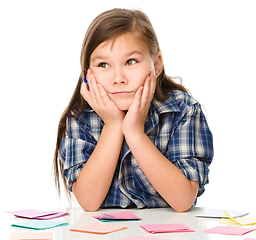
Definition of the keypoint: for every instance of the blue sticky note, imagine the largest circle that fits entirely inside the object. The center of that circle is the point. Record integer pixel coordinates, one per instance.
(40, 224)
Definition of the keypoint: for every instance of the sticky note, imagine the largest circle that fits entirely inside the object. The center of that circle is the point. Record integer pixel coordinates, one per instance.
(143, 238)
(118, 216)
(241, 220)
(229, 230)
(228, 221)
(220, 213)
(167, 228)
(31, 235)
(99, 228)
(39, 224)
(37, 214)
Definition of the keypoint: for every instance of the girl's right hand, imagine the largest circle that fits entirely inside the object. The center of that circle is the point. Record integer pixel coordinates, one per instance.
(98, 99)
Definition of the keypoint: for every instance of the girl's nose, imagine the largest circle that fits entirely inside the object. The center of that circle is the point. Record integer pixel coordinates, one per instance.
(119, 78)
(119, 81)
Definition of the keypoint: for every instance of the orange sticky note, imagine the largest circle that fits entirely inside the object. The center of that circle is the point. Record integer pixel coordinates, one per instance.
(99, 228)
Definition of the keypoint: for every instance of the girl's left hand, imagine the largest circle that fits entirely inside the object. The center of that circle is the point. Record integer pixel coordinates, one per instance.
(134, 120)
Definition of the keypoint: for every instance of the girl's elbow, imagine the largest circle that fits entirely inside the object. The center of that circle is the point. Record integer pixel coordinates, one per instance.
(181, 209)
(182, 206)
(90, 208)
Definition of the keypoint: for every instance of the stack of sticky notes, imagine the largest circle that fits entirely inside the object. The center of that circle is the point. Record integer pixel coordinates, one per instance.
(37, 214)
(229, 230)
(238, 220)
(167, 228)
(39, 224)
(99, 228)
(118, 216)
(39, 220)
(229, 217)
(220, 213)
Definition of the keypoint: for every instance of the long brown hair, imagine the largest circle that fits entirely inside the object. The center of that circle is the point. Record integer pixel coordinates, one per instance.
(109, 25)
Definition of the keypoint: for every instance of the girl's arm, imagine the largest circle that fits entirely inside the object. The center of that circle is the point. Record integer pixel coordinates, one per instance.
(93, 183)
(178, 191)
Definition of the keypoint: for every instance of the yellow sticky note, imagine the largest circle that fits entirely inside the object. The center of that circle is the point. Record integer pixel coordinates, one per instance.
(228, 221)
(242, 220)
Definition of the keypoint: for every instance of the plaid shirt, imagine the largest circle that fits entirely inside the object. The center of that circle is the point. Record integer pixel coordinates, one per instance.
(178, 129)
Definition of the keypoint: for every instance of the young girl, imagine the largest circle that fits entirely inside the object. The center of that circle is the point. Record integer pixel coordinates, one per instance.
(130, 136)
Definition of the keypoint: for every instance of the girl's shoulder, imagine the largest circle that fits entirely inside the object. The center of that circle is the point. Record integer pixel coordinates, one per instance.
(182, 97)
(177, 101)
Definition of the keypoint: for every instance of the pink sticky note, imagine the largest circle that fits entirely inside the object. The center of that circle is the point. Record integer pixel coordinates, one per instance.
(37, 214)
(99, 228)
(143, 238)
(123, 215)
(249, 238)
(165, 228)
(229, 230)
(31, 235)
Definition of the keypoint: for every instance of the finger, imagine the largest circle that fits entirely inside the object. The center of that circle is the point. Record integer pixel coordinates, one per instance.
(146, 92)
(94, 89)
(153, 83)
(105, 98)
(84, 91)
(137, 98)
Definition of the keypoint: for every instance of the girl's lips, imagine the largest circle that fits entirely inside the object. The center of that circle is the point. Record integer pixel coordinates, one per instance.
(122, 93)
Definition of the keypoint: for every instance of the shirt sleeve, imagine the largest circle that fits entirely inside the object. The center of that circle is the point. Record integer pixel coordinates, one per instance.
(191, 145)
(75, 150)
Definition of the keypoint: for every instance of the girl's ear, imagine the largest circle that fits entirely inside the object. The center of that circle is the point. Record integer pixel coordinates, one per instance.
(158, 64)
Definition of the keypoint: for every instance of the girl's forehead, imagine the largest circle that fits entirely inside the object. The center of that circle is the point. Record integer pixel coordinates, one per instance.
(126, 41)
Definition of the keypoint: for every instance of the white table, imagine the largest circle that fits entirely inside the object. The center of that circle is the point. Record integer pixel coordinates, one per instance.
(78, 217)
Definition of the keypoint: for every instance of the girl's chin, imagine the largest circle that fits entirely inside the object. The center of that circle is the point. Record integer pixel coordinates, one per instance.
(123, 106)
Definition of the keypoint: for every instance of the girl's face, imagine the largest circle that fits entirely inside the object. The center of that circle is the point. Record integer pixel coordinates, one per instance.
(121, 66)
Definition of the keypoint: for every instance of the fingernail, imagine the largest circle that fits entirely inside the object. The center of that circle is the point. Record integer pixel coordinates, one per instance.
(85, 80)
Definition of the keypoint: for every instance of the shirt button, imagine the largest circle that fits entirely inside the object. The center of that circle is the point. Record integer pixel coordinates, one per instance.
(133, 197)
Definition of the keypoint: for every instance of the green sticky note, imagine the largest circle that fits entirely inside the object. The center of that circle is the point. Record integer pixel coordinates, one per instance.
(39, 224)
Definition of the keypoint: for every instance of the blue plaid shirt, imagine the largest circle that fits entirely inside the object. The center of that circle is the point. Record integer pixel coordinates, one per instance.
(178, 129)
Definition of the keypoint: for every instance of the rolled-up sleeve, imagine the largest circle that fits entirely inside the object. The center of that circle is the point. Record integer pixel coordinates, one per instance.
(191, 145)
(195, 170)
(74, 151)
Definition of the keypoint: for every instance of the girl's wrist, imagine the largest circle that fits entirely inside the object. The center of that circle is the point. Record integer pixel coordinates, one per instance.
(135, 136)
(114, 127)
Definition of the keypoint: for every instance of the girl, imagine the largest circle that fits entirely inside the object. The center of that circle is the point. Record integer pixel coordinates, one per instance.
(130, 136)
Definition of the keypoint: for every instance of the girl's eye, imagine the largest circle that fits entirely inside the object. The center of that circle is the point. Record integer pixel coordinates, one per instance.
(103, 65)
(130, 62)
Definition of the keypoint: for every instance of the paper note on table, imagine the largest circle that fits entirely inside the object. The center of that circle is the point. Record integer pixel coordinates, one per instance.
(242, 220)
(249, 238)
(99, 228)
(37, 214)
(39, 224)
(220, 213)
(143, 238)
(167, 228)
(31, 235)
(118, 216)
(229, 230)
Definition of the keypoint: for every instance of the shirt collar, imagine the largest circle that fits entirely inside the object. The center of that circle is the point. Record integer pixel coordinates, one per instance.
(170, 105)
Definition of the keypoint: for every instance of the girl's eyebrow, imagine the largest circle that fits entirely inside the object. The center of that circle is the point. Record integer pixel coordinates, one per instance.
(133, 52)
(105, 58)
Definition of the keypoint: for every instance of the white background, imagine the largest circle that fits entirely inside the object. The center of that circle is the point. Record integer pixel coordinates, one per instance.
(210, 44)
